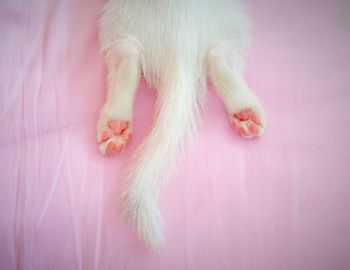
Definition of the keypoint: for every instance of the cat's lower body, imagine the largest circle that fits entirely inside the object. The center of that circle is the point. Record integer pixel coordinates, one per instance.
(176, 54)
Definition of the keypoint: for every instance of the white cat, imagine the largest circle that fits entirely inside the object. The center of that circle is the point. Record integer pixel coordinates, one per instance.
(176, 45)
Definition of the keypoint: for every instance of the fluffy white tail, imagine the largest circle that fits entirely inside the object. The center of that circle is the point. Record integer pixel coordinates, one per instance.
(177, 110)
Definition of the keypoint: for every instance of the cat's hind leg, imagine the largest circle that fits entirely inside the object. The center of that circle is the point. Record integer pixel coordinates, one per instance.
(114, 126)
(245, 111)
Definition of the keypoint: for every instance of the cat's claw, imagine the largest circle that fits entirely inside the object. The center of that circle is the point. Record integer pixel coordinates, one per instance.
(114, 137)
(247, 123)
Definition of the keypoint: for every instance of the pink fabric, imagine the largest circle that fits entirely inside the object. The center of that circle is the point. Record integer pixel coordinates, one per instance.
(279, 202)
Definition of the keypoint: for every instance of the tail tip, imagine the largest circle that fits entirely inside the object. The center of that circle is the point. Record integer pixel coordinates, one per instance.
(141, 212)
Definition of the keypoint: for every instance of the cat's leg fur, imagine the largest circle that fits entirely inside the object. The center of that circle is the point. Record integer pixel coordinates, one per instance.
(114, 127)
(245, 111)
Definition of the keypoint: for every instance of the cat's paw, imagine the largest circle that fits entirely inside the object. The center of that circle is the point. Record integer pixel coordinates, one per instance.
(113, 136)
(247, 123)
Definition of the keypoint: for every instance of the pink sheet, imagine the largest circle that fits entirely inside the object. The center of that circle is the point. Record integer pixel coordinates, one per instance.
(279, 202)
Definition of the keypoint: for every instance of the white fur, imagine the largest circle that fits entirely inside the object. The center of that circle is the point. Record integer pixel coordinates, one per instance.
(175, 44)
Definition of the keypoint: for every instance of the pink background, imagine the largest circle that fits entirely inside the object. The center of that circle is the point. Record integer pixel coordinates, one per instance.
(279, 202)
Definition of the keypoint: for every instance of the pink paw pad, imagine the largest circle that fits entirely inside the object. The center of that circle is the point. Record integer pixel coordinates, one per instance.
(115, 138)
(247, 123)
(118, 127)
(113, 148)
(105, 136)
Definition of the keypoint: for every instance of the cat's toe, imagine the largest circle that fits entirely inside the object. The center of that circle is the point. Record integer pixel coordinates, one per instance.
(114, 148)
(114, 136)
(247, 123)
